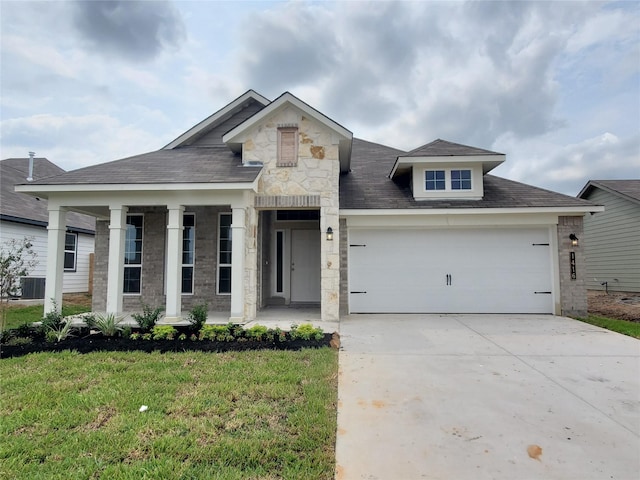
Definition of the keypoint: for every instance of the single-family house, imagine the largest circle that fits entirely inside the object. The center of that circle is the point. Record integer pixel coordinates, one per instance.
(272, 202)
(26, 216)
(612, 237)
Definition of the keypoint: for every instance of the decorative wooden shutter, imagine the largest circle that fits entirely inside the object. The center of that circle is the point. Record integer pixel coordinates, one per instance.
(287, 147)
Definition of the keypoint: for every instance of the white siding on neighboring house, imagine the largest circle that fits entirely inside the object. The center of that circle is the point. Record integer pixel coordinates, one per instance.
(74, 282)
(612, 243)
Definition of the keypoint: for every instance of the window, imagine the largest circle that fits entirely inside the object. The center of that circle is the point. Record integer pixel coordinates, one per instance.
(70, 252)
(287, 146)
(224, 253)
(133, 255)
(188, 251)
(460, 179)
(434, 180)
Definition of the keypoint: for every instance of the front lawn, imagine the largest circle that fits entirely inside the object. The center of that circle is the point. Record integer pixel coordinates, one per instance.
(621, 326)
(236, 415)
(19, 315)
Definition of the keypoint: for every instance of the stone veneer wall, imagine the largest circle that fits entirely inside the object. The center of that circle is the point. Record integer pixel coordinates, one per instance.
(573, 301)
(153, 263)
(316, 174)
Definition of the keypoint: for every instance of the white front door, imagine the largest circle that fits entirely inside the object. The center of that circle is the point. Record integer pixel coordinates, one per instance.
(305, 266)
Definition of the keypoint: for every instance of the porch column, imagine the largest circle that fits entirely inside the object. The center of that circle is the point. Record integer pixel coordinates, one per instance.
(173, 310)
(115, 271)
(237, 265)
(55, 259)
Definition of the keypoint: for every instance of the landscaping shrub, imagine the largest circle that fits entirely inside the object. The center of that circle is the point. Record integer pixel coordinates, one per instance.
(198, 316)
(306, 331)
(108, 325)
(148, 318)
(257, 332)
(219, 333)
(163, 332)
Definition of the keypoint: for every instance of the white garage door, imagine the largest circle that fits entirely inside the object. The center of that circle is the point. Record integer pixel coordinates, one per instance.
(450, 271)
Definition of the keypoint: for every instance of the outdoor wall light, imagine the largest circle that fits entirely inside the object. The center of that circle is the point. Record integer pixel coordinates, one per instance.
(574, 239)
(329, 234)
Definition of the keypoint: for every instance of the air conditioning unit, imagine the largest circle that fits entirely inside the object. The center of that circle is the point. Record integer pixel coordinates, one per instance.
(32, 287)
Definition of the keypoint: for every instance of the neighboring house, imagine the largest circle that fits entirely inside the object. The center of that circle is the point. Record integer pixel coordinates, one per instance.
(24, 215)
(612, 237)
(271, 202)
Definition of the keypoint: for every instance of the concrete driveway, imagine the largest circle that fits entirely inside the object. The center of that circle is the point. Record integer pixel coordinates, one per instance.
(486, 397)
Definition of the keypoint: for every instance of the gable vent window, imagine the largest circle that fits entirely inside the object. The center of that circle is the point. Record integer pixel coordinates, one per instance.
(287, 146)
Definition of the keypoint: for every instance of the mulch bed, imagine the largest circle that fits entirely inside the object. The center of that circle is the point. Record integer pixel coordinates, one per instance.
(97, 342)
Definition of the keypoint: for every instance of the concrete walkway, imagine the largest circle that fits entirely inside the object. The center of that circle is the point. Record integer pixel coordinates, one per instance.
(486, 397)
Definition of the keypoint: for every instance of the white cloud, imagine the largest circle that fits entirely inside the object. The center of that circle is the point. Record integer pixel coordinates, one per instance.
(75, 141)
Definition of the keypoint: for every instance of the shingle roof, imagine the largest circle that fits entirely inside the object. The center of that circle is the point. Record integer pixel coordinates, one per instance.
(627, 188)
(179, 165)
(443, 148)
(367, 187)
(22, 207)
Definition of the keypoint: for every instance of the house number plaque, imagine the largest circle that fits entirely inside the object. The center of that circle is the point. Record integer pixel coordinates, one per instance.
(572, 260)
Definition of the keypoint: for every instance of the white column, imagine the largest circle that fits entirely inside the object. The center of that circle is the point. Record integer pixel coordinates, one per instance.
(173, 311)
(55, 259)
(115, 271)
(237, 264)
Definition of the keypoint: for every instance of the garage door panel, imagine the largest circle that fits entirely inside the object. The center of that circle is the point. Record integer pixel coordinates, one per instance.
(450, 271)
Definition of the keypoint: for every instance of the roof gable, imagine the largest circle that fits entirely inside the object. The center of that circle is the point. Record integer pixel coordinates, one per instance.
(443, 152)
(219, 118)
(628, 189)
(443, 148)
(235, 137)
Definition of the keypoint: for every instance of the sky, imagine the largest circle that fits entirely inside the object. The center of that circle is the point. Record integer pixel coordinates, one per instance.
(553, 85)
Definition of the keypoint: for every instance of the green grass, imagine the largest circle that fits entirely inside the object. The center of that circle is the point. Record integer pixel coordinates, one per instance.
(240, 415)
(17, 316)
(621, 326)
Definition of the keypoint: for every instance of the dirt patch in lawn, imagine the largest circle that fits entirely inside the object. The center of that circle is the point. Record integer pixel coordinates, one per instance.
(620, 305)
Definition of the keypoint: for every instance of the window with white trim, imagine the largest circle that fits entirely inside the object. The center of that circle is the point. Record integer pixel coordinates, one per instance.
(133, 255)
(287, 146)
(70, 251)
(188, 251)
(460, 179)
(434, 180)
(224, 254)
(447, 180)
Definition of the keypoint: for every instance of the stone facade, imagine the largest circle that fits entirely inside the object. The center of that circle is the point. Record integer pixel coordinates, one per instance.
(153, 261)
(314, 177)
(573, 301)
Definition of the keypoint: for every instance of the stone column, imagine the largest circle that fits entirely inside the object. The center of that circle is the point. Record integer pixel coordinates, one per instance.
(115, 270)
(329, 265)
(55, 259)
(237, 264)
(174, 264)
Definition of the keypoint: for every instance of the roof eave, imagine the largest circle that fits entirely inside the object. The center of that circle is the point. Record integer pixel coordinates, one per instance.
(43, 190)
(465, 210)
(489, 162)
(595, 184)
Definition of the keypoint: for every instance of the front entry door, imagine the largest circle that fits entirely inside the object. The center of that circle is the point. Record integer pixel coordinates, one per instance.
(305, 266)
